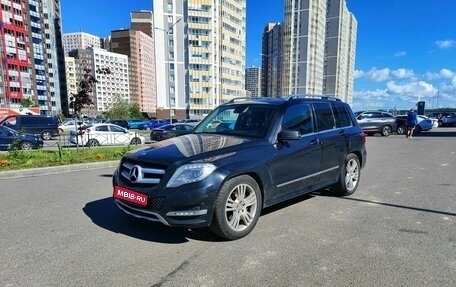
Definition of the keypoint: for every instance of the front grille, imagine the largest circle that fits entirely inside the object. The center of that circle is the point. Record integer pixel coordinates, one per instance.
(147, 175)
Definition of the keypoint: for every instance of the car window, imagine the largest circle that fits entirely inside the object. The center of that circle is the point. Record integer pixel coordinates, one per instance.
(102, 128)
(324, 116)
(298, 118)
(117, 129)
(342, 116)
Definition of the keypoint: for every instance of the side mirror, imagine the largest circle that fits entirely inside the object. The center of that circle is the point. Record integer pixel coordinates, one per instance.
(288, 135)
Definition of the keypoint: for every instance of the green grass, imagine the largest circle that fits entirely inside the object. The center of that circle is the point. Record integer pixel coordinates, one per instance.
(16, 159)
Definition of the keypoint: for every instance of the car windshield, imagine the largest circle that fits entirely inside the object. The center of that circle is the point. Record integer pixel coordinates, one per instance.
(247, 120)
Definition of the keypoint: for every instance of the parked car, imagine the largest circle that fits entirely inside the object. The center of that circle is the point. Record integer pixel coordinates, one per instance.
(424, 124)
(105, 134)
(69, 125)
(152, 124)
(273, 149)
(171, 130)
(45, 126)
(10, 138)
(122, 123)
(376, 122)
(186, 121)
(135, 123)
(447, 119)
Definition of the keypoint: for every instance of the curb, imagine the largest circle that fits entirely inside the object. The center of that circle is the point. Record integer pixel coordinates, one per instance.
(32, 172)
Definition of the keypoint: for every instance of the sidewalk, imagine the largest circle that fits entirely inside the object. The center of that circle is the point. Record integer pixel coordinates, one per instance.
(56, 169)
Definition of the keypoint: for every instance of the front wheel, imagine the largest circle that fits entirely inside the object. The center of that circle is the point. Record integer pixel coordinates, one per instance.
(386, 131)
(349, 176)
(237, 208)
(26, 145)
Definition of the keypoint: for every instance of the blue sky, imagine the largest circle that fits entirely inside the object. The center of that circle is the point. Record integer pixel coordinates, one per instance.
(406, 49)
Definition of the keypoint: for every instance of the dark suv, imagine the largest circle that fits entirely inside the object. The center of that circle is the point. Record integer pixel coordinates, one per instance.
(247, 154)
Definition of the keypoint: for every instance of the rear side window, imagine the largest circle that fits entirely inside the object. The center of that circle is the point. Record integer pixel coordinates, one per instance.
(298, 118)
(342, 116)
(324, 116)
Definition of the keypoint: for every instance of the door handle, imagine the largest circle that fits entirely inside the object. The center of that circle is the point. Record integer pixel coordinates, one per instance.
(314, 141)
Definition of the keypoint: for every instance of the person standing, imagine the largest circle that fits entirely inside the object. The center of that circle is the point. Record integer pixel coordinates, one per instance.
(412, 121)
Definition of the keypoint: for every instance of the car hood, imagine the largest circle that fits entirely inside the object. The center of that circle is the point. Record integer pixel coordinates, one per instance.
(193, 147)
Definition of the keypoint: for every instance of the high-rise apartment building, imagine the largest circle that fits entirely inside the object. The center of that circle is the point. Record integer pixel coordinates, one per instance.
(272, 57)
(137, 44)
(319, 42)
(32, 55)
(71, 78)
(80, 40)
(253, 81)
(200, 52)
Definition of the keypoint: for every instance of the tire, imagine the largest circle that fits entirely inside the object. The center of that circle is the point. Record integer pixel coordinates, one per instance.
(401, 130)
(417, 129)
(135, 141)
(237, 208)
(386, 131)
(26, 145)
(46, 135)
(349, 176)
(92, 143)
(440, 123)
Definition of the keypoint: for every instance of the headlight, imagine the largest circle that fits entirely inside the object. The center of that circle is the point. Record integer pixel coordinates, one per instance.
(190, 173)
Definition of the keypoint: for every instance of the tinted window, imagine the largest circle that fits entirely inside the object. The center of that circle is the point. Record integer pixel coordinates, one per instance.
(324, 116)
(102, 128)
(342, 116)
(298, 118)
(117, 129)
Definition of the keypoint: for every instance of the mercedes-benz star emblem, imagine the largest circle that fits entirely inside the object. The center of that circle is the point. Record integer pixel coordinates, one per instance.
(135, 174)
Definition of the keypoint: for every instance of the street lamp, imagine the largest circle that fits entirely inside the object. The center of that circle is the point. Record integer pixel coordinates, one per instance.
(169, 32)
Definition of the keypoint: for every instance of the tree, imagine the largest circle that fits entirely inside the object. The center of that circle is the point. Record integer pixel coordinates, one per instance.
(119, 110)
(27, 102)
(84, 96)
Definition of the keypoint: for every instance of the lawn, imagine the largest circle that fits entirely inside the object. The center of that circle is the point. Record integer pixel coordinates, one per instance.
(17, 159)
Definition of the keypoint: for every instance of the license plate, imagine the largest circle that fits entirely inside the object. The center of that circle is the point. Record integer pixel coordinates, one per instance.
(130, 195)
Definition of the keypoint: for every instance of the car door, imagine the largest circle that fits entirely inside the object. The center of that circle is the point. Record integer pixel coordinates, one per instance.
(297, 163)
(118, 135)
(6, 138)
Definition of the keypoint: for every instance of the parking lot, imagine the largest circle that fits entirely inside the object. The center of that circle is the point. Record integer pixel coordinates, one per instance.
(398, 229)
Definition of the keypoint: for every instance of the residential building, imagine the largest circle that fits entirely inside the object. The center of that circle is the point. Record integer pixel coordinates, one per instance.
(80, 40)
(253, 81)
(71, 78)
(137, 44)
(200, 47)
(113, 86)
(32, 55)
(319, 43)
(271, 62)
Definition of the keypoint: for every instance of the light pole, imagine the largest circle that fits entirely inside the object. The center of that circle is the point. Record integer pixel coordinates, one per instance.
(169, 32)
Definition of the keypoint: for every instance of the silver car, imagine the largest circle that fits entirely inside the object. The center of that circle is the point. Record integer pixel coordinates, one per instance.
(376, 122)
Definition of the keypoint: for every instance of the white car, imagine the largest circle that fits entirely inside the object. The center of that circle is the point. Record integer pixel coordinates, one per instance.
(105, 134)
(69, 125)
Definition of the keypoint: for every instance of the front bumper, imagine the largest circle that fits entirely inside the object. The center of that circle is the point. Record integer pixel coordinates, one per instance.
(190, 205)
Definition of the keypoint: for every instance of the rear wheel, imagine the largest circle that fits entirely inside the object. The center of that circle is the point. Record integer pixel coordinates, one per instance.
(46, 135)
(237, 208)
(135, 141)
(349, 176)
(386, 131)
(440, 123)
(401, 130)
(92, 143)
(417, 129)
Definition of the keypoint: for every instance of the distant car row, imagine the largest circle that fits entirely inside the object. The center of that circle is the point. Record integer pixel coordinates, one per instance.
(384, 123)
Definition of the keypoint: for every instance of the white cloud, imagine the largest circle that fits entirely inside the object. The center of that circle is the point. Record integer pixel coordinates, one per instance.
(378, 75)
(403, 73)
(414, 89)
(445, 44)
(359, 74)
(400, 54)
(445, 73)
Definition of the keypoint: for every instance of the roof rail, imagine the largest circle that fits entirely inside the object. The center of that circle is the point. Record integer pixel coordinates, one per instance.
(243, 99)
(324, 97)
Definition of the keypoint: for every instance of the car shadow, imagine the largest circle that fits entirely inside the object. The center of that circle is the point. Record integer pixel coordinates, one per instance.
(106, 214)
